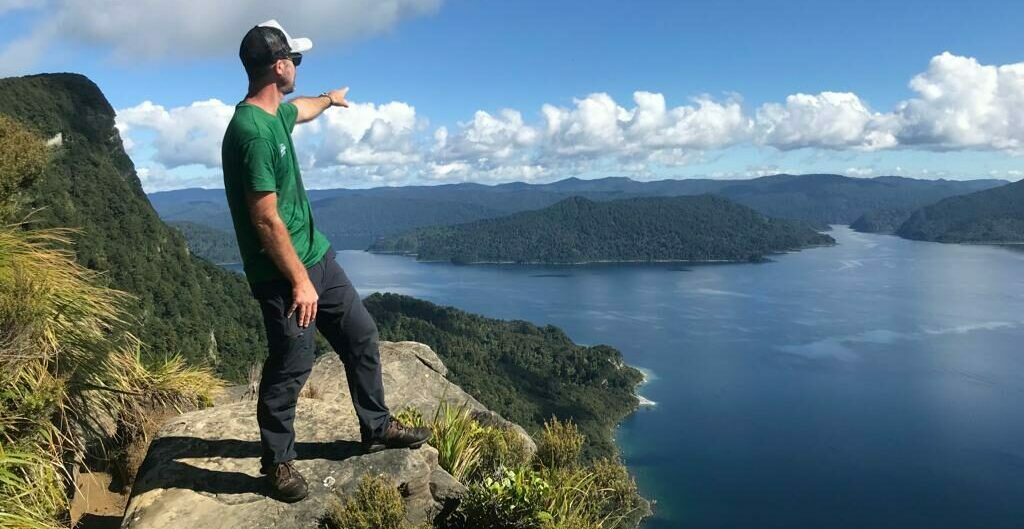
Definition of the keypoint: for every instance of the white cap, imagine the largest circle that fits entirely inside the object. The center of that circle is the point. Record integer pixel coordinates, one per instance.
(297, 45)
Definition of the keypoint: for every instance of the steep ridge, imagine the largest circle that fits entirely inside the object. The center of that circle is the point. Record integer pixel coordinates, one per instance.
(184, 304)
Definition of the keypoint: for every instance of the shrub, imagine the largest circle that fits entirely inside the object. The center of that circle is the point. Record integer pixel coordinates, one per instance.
(516, 500)
(376, 504)
(560, 444)
(500, 448)
(616, 490)
(23, 158)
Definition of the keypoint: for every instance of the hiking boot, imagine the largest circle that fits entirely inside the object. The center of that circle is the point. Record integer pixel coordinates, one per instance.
(286, 483)
(398, 435)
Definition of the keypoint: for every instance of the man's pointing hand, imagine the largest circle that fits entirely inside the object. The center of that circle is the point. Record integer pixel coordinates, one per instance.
(338, 97)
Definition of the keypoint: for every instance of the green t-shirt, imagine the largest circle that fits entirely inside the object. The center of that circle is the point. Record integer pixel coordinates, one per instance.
(258, 155)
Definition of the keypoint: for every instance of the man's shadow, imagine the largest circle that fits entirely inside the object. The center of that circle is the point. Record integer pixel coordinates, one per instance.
(168, 453)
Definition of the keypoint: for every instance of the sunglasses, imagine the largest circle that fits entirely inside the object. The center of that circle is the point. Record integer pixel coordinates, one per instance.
(294, 56)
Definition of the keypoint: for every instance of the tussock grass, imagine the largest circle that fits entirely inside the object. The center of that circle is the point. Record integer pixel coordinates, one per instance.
(455, 435)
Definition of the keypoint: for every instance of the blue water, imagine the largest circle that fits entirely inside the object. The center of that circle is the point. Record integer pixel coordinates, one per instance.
(877, 383)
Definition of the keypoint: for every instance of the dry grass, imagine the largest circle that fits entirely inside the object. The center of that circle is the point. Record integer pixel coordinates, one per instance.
(311, 391)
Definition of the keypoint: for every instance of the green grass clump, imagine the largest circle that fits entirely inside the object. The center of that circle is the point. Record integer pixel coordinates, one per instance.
(560, 444)
(455, 435)
(376, 504)
(410, 417)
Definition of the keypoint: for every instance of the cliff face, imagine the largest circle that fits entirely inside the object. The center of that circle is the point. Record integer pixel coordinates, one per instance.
(202, 469)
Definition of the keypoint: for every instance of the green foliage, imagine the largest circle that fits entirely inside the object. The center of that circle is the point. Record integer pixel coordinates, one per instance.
(216, 246)
(618, 500)
(23, 158)
(524, 372)
(560, 444)
(180, 304)
(881, 221)
(410, 417)
(575, 230)
(514, 500)
(354, 218)
(455, 435)
(990, 216)
(32, 489)
(500, 448)
(376, 504)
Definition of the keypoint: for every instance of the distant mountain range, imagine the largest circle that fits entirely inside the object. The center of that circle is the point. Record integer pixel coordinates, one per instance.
(578, 230)
(354, 218)
(990, 216)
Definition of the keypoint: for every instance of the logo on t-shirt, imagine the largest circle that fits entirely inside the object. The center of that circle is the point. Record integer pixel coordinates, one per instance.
(282, 148)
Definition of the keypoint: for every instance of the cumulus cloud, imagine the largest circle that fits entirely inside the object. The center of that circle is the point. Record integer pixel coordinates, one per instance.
(957, 104)
(832, 120)
(140, 28)
(366, 134)
(183, 135)
(964, 104)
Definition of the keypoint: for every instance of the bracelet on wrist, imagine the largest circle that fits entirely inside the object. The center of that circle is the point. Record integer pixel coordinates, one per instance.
(330, 100)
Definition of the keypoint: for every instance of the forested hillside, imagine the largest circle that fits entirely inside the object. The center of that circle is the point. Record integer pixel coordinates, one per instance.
(216, 246)
(352, 218)
(183, 304)
(994, 215)
(577, 230)
(523, 371)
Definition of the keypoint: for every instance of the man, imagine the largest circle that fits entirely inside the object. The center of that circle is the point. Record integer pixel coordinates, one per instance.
(290, 265)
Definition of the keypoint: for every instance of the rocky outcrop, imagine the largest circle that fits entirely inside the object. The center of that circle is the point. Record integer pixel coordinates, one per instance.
(202, 469)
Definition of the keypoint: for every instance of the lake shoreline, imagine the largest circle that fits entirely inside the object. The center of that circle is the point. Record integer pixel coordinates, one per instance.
(760, 260)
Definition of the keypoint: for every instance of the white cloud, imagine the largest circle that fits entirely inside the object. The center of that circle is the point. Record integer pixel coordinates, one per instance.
(20, 54)
(600, 127)
(156, 28)
(832, 120)
(963, 104)
(184, 135)
(155, 177)
(488, 136)
(958, 104)
(368, 135)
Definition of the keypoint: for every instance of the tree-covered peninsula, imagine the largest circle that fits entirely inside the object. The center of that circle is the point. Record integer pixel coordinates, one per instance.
(578, 230)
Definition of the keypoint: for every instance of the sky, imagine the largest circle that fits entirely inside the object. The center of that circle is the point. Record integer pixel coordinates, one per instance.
(491, 91)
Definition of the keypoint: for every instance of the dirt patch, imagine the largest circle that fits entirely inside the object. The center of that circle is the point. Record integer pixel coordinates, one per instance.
(95, 505)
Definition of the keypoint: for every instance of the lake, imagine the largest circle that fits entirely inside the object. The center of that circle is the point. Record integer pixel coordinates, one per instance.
(877, 383)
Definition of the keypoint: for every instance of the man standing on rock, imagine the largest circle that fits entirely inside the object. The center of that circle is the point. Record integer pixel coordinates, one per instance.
(290, 265)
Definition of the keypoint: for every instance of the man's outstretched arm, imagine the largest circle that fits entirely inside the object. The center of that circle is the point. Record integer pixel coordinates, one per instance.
(276, 241)
(311, 107)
